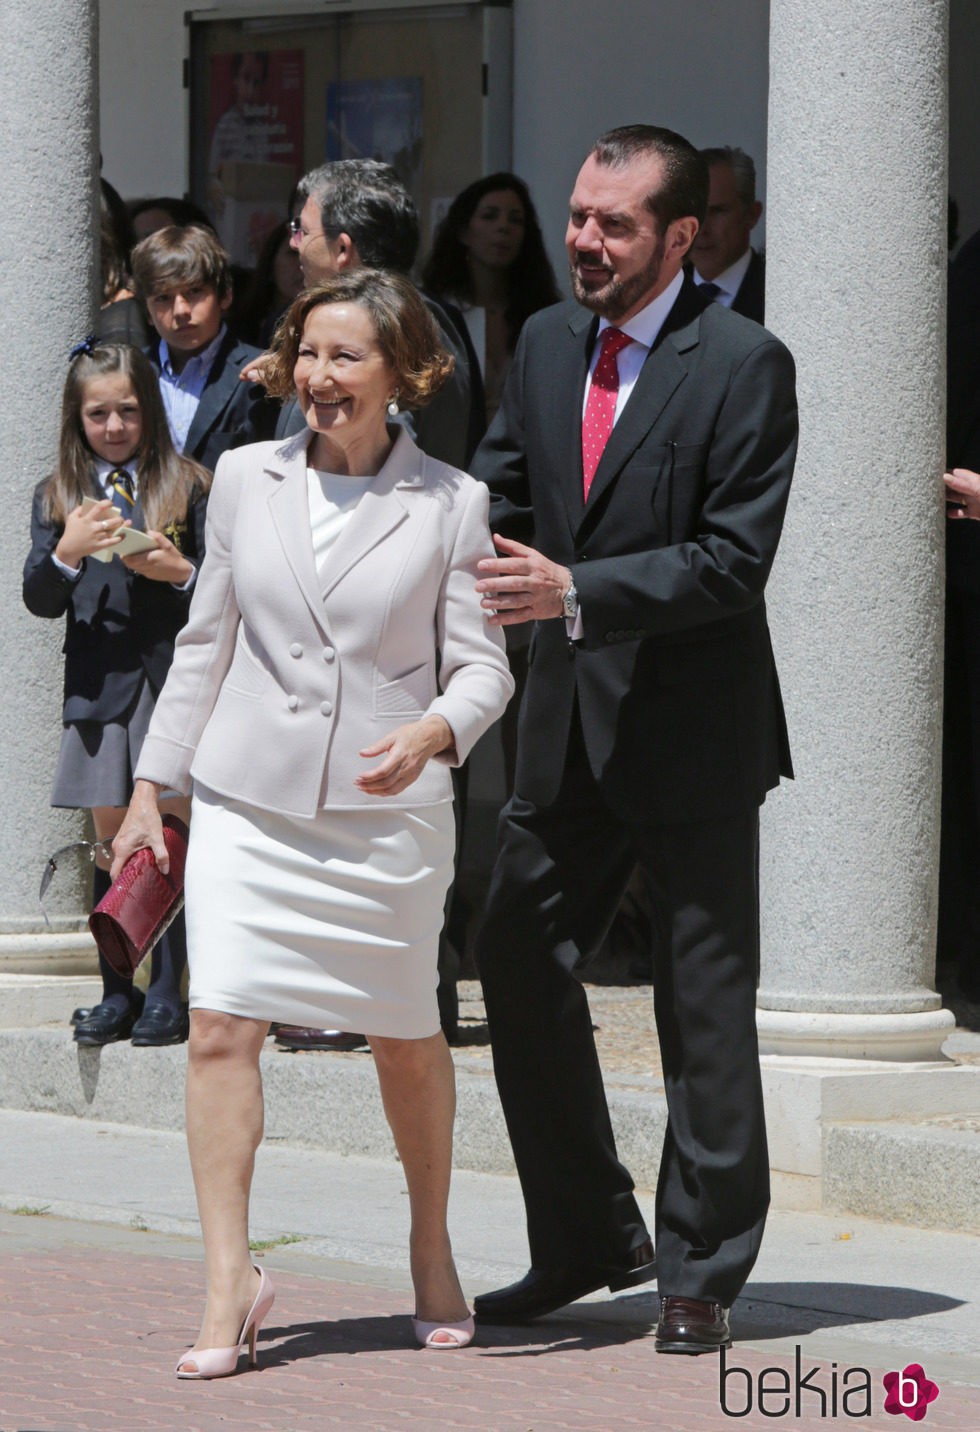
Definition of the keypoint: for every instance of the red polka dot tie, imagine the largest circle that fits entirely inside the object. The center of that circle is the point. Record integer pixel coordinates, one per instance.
(600, 406)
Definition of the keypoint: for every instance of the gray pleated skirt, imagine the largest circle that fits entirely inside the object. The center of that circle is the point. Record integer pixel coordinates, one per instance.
(97, 758)
(330, 923)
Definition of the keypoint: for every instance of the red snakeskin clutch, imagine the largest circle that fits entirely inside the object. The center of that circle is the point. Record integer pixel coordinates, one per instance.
(141, 903)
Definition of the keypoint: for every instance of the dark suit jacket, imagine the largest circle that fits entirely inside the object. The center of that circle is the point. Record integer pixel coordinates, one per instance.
(963, 409)
(751, 296)
(119, 625)
(674, 678)
(443, 428)
(230, 412)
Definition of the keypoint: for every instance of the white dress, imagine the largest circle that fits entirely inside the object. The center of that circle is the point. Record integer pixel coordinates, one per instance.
(332, 922)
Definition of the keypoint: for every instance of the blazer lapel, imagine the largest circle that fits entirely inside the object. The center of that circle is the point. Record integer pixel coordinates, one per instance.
(379, 512)
(222, 384)
(571, 372)
(660, 377)
(290, 512)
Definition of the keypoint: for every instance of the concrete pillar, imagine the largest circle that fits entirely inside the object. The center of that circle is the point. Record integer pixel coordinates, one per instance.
(856, 287)
(48, 237)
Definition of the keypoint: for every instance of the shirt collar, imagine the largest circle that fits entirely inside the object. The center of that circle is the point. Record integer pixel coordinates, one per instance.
(730, 279)
(103, 469)
(644, 326)
(200, 363)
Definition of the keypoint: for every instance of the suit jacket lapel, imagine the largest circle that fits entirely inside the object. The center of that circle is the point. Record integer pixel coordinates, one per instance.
(222, 384)
(571, 372)
(290, 512)
(381, 509)
(662, 373)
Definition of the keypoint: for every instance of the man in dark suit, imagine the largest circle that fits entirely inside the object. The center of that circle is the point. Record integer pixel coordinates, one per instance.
(959, 896)
(721, 253)
(183, 275)
(357, 211)
(653, 485)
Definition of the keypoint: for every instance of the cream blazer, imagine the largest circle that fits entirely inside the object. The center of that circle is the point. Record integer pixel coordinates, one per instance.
(279, 678)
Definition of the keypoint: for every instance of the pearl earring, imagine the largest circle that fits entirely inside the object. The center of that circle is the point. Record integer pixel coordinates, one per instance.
(393, 407)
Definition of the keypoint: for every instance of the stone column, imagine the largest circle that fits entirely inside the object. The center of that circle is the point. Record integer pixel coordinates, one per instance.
(856, 287)
(48, 237)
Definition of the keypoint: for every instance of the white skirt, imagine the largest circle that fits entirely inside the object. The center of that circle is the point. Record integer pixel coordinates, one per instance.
(329, 923)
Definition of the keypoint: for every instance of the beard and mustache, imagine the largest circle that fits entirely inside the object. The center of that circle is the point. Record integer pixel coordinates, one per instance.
(615, 297)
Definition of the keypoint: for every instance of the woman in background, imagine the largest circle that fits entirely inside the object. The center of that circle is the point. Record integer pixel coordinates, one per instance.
(489, 260)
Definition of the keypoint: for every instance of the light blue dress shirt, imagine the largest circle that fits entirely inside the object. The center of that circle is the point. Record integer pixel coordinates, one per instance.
(181, 392)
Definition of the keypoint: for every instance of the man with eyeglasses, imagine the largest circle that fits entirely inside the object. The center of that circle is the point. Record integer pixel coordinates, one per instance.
(357, 212)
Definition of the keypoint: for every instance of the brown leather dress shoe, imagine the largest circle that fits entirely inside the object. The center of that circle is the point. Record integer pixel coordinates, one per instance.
(542, 1290)
(295, 1037)
(692, 1325)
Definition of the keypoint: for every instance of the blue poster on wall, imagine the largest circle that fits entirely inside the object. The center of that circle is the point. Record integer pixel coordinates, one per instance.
(377, 119)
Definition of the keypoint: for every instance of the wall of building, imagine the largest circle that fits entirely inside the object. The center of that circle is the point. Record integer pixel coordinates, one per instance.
(716, 95)
(142, 99)
(579, 68)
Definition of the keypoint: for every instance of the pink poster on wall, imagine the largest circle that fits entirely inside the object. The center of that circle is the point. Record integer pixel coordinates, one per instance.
(255, 144)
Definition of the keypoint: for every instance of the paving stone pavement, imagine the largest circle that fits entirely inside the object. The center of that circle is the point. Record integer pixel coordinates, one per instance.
(95, 1318)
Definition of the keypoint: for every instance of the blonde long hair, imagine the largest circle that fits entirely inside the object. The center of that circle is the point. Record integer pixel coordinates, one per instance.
(167, 481)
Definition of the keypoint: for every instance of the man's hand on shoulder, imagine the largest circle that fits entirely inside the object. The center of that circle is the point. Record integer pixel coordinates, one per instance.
(521, 585)
(254, 370)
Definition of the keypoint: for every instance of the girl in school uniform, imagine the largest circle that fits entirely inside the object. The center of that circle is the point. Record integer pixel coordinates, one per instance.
(117, 467)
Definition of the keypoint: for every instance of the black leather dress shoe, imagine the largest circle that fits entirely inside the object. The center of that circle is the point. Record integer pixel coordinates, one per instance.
(692, 1325)
(295, 1037)
(105, 1025)
(543, 1290)
(161, 1024)
(77, 1015)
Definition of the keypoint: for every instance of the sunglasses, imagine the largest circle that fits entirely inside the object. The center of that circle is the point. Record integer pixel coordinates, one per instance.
(92, 848)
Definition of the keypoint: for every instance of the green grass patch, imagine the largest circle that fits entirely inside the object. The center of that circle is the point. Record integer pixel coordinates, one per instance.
(262, 1245)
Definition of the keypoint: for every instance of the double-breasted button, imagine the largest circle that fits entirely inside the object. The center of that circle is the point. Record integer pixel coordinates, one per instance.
(329, 654)
(293, 703)
(326, 708)
(295, 649)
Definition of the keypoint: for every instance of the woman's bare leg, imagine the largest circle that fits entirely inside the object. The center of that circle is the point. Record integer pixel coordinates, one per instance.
(224, 1128)
(418, 1090)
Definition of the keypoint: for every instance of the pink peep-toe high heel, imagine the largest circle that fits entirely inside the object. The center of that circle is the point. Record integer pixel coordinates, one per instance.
(223, 1361)
(460, 1334)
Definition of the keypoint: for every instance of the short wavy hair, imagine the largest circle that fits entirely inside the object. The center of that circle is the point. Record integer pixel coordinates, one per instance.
(406, 332)
(180, 254)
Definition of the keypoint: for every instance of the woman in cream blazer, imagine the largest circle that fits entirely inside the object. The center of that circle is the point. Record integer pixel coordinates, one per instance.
(335, 664)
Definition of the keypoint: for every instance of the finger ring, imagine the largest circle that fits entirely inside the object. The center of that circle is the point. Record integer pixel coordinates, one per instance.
(104, 526)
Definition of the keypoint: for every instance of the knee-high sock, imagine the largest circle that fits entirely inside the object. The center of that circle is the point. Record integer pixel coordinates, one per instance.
(115, 990)
(167, 970)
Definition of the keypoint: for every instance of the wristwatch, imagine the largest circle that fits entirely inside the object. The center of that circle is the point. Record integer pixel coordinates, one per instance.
(569, 602)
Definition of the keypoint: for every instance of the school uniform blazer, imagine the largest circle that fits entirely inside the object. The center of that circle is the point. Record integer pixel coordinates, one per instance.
(119, 625)
(230, 413)
(673, 679)
(282, 676)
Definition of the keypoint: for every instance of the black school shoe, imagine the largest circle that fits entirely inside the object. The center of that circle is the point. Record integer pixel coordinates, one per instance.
(161, 1024)
(106, 1024)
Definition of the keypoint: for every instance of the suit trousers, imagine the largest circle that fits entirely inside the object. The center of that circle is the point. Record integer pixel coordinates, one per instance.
(559, 877)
